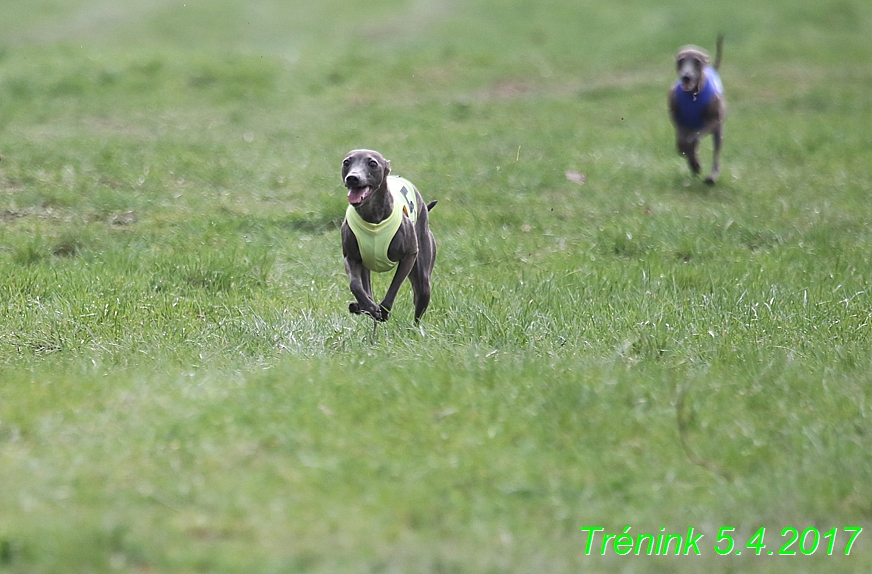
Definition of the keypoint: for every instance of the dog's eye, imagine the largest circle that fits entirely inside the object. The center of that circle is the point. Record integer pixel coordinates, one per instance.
(373, 164)
(345, 162)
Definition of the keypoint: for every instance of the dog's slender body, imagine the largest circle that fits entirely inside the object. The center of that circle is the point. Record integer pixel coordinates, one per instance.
(697, 106)
(378, 201)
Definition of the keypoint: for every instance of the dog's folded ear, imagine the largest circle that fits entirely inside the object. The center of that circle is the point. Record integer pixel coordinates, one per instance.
(387, 167)
(693, 52)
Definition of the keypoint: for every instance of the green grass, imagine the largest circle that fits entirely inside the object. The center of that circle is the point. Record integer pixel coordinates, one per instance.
(183, 390)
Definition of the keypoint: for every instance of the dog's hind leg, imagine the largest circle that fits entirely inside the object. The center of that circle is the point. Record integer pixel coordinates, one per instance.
(420, 276)
(420, 290)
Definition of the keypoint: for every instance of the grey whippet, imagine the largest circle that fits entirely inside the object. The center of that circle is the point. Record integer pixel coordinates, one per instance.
(386, 225)
(697, 106)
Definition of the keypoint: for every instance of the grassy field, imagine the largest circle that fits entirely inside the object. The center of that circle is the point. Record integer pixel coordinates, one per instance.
(182, 388)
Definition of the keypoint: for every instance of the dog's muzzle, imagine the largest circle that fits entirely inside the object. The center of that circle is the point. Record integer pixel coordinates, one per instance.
(356, 194)
(687, 83)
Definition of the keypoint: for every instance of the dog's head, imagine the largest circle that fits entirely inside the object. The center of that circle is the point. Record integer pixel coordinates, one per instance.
(690, 62)
(363, 171)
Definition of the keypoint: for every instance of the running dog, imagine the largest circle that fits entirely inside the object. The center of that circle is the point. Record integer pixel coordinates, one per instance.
(386, 225)
(697, 106)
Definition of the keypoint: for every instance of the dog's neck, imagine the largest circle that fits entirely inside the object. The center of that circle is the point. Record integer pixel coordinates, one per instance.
(378, 206)
(700, 85)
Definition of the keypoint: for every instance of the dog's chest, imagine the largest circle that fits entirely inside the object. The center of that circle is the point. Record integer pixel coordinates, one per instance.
(374, 239)
(692, 105)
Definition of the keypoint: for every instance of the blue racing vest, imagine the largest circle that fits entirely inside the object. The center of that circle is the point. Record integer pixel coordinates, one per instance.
(691, 106)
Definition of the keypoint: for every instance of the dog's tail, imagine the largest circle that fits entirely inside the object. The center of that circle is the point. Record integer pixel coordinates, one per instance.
(719, 51)
(431, 205)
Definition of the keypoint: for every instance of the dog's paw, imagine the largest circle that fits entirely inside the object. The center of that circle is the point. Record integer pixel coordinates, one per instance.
(379, 314)
(383, 314)
(710, 180)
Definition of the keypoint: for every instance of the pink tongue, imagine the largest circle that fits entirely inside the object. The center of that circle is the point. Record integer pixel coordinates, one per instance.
(357, 194)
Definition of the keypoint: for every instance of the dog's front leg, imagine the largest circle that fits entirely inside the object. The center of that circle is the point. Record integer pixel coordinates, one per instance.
(358, 277)
(717, 136)
(714, 127)
(403, 269)
(687, 145)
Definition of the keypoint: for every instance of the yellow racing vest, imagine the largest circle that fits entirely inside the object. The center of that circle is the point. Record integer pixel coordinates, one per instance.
(373, 239)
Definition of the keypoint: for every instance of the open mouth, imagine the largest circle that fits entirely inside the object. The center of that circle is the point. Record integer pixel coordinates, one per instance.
(356, 195)
(687, 84)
